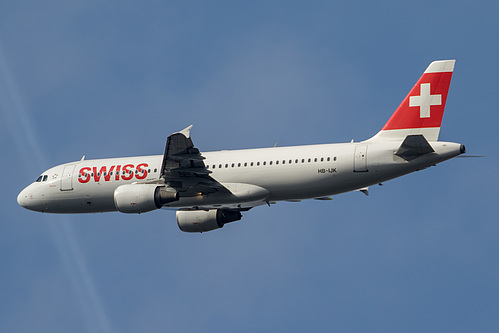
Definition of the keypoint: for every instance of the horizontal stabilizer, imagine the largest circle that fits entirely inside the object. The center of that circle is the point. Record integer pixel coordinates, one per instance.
(414, 145)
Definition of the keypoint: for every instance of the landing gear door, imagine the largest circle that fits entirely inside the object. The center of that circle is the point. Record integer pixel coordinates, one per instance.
(360, 159)
(67, 178)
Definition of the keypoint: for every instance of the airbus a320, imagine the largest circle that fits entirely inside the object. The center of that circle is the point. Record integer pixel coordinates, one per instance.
(210, 189)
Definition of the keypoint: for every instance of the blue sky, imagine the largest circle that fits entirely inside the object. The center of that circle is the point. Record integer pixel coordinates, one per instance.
(114, 79)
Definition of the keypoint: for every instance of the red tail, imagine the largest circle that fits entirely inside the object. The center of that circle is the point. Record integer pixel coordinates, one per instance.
(422, 109)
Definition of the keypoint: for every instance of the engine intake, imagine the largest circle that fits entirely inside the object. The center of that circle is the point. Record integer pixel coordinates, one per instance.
(205, 220)
(142, 198)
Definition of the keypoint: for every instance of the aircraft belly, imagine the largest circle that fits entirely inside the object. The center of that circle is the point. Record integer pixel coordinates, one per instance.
(240, 193)
(90, 199)
(284, 184)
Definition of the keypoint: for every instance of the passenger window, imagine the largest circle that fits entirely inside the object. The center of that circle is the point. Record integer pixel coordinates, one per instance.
(315, 159)
(309, 160)
(334, 159)
(257, 163)
(238, 165)
(296, 161)
(155, 170)
(264, 163)
(270, 163)
(251, 164)
(226, 165)
(245, 163)
(329, 159)
(322, 159)
(220, 166)
(232, 165)
(303, 160)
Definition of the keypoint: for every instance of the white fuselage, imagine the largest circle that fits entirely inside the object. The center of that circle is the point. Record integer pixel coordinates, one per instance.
(255, 176)
(211, 189)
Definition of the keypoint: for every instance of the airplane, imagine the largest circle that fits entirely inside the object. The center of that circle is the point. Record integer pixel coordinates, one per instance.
(211, 189)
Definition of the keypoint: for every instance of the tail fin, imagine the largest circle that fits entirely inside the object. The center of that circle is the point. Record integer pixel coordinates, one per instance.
(422, 109)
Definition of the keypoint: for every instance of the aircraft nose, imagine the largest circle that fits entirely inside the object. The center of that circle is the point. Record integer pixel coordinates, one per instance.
(21, 199)
(33, 198)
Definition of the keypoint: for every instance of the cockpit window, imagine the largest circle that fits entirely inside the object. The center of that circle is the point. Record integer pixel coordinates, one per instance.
(45, 178)
(39, 179)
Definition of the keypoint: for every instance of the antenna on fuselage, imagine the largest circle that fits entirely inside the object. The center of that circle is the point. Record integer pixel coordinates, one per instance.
(83, 158)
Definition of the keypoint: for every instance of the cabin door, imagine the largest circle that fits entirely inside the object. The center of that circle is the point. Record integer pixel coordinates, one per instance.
(360, 159)
(67, 178)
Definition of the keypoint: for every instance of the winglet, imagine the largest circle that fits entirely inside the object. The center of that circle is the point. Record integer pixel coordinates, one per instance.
(186, 131)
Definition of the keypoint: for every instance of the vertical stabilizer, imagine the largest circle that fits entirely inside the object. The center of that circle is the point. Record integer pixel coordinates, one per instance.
(421, 111)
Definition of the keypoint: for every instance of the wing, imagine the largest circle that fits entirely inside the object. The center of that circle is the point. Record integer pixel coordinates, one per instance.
(183, 167)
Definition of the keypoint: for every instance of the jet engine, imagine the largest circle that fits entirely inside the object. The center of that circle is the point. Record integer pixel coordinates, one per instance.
(205, 220)
(141, 198)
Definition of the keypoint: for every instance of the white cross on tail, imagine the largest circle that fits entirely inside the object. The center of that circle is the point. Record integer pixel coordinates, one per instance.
(425, 100)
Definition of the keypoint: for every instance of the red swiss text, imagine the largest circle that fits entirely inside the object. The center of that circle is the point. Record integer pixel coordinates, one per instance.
(114, 172)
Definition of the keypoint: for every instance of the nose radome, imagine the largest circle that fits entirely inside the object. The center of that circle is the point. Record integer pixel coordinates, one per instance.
(20, 199)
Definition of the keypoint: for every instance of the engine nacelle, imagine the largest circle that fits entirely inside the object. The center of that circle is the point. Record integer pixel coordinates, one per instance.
(141, 198)
(205, 220)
